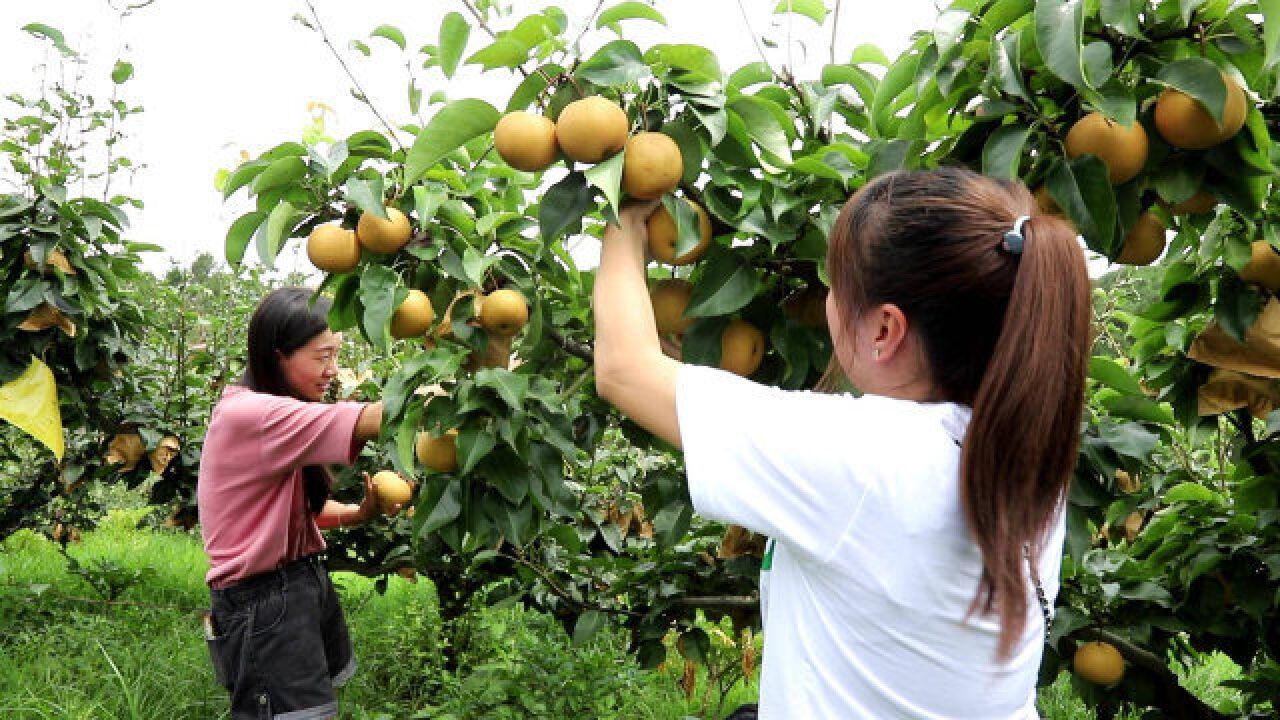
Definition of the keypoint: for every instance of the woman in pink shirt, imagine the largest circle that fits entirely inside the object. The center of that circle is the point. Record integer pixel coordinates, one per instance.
(277, 636)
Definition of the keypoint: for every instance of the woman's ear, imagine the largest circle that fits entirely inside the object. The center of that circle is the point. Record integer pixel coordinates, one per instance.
(889, 331)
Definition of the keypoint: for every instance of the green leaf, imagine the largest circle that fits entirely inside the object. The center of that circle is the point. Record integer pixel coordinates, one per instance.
(762, 125)
(812, 9)
(1237, 307)
(454, 33)
(511, 387)
(1190, 492)
(698, 64)
(898, 78)
(1059, 35)
(1200, 79)
(671, 523)
(949, 28)
(280, 223)
(366, 195)
(380, 294)
(52, 34)
(1270, 31)
(728, 283)
(588, 624)
(121, 72)
(688, 230)
(563, 206)
(280, 173)
(1003, 152)
(695, 645)
(426, 201)
(242, 176)
(504, 52)
(1114, 375)
(530, 88)
(607, 175)
(1096, 63)
(239, 235)
(1123, 15)
(449, 129)
(1129, 439)
(399, 389)
(1006, 66)
(442, 502)
(755, 73)
(1083, 190)
(869, 53)
(1139, 408)
(629, 11)
(617, 63)
(691, 151)
(390, 32)
(1187, 8)
(473, 444)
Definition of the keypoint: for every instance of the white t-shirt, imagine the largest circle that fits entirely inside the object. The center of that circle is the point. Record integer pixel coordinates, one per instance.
(872, 568)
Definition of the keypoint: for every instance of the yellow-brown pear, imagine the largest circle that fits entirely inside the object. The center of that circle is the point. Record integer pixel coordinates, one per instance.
(1122, 149)
(591, 129)
(526, 141)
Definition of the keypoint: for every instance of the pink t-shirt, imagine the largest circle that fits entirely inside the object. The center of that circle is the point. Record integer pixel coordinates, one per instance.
(253, 512)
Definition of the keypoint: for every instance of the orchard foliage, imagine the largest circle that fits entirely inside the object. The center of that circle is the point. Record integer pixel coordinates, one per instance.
(1187, 549)
(1174, 516)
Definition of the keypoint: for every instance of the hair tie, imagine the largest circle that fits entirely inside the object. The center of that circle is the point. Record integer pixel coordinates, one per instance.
(1014, 240)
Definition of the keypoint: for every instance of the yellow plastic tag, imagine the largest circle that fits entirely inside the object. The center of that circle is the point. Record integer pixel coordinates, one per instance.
(31, 404)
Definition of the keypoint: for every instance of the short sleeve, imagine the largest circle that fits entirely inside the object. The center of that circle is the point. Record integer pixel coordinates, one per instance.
(777, 462)
(295, 433)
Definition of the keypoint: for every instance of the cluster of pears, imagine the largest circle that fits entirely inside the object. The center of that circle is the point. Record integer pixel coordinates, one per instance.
(591, 130)
(502, 313)
(335, 249)
(1183, 123)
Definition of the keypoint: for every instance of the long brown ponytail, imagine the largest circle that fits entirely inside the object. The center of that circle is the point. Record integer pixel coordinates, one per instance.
(1005, 333)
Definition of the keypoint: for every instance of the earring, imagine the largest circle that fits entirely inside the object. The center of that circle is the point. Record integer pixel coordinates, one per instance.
(875, 352)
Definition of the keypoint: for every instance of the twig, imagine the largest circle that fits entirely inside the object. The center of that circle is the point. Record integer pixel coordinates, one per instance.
(479, 19)
(714, 601)
(571, 346)
(564, 595)
(485, 26)
(363, 95)
(759, 48)
(587, 26)
(835, 24)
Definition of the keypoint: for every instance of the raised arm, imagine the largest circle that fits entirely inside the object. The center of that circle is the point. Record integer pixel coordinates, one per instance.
(631, 370)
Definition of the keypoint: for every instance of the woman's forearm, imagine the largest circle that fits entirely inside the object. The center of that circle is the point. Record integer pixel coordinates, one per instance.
(335, 515)
(631, 370)
(625, 328)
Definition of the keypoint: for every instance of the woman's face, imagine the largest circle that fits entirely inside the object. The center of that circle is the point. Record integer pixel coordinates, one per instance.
(311, 368)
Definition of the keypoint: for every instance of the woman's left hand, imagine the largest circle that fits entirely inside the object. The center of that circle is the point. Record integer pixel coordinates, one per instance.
(370, 508)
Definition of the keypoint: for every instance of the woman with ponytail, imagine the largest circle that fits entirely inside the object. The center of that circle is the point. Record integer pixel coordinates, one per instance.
(277, 636)
(916, 529)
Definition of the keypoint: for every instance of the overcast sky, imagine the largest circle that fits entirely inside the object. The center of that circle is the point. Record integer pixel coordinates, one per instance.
(216, 78)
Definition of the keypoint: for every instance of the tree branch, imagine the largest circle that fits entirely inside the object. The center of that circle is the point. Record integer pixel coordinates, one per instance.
(363, 95)
(1177, 701)
(571, 346)
(719, 601)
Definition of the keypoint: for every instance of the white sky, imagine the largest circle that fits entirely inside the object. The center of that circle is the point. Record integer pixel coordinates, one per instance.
(219, 77)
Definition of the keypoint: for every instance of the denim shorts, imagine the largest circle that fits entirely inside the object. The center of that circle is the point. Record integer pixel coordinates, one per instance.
(280, 644)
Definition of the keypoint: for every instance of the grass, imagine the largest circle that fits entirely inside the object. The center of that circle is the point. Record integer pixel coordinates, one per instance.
(66, 654)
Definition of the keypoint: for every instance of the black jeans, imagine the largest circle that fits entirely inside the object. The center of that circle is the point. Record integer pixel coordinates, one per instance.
(281, 644)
